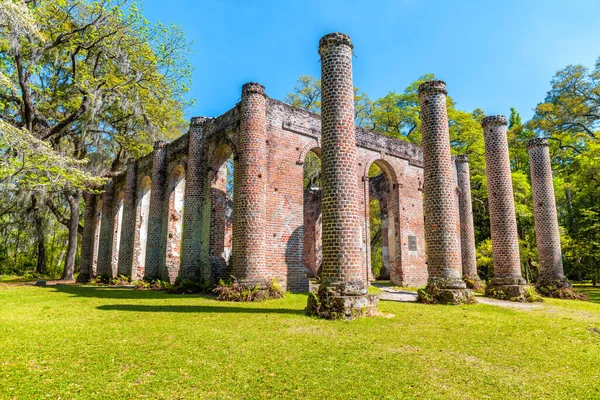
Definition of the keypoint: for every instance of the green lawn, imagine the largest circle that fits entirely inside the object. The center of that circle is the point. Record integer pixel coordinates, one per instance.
(91, 342)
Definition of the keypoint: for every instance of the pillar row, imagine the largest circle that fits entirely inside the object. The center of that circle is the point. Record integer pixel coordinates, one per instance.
(105, 247)
(128, 225)
(88, 238)
(249, 203)
(156, 250)
(503, 222)
(467, 230)
(547, 234)
(439, 190)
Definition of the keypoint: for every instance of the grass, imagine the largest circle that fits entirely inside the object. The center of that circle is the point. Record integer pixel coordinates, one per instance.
(105, 343)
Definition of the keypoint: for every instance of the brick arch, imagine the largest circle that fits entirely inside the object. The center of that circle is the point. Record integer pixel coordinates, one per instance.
(221, 209)
(387, 168)
(141, 226)
(117, 226)
(311, 146)
(390, 206)
(176, 208)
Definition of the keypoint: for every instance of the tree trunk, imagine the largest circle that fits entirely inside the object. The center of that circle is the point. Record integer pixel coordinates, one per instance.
(73, 200)
(41, 244)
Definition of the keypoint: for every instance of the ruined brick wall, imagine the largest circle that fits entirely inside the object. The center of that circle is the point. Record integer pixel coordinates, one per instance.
(313, 254)
(503, 222)
(87, 241)
(105, 246)
(125, 258)
(156, 237)
(547, 234)
(206, 239)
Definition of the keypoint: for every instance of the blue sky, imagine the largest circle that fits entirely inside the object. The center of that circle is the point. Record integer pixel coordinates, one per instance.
(492, 54)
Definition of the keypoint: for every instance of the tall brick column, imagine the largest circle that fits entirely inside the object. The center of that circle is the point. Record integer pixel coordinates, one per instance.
(547, 234)
(439, 193)
(507, 281)
(467, 230)
(193, 234)
(105, 247)
(88, 238)
(156, 250)
(344, 273)
(249, 200)
(126, 248)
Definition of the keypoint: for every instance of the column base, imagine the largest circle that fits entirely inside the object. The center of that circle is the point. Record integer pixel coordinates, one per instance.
(558, 288)
(446, 291)
(553, 283)
(513, 288)
(341, 301)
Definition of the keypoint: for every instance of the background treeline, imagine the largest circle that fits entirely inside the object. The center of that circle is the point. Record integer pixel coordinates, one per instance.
(569, 116)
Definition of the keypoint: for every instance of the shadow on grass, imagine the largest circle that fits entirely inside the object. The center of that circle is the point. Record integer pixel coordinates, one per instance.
(116, 292)
(199, 309)
(592, 292)
(112, 292)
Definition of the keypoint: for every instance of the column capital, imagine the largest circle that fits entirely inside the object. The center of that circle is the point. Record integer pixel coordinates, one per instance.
(494, 120)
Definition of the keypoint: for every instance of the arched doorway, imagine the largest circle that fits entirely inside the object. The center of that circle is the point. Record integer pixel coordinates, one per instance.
(221, 216)
(141, 240)
(383, 220)
(118, 223)
(175, 221)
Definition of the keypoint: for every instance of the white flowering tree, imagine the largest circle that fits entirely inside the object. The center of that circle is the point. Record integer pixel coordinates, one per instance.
(92, 83)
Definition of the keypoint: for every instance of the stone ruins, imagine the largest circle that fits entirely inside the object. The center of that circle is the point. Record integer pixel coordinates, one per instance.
(171, 215)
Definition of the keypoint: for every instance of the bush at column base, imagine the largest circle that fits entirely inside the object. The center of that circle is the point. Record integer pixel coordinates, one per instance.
(341, 300)
(445, 291)
(558, 288)
(513, 288)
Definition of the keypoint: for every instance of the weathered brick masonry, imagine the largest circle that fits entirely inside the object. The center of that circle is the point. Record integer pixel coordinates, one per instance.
(503, 222)
(290, 134)
(467, 230)
(439, 192)
(547, 234)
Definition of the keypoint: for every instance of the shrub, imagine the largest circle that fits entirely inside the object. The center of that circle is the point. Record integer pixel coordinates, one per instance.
(236, 291)
(562, 293)
(187, 286)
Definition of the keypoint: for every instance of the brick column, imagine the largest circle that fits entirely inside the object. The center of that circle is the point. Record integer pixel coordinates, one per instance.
(87, 240)
(344, 272)
(439, 193)
(156, 250)
(194, 238)
(126, 248)
(507, 281)
(467, 231)
(249, 200)
(105, 247)
(547, 234)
